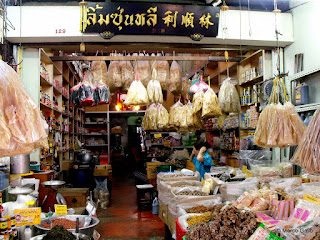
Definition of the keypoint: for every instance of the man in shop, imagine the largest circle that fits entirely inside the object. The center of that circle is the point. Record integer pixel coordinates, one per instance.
(200, 158)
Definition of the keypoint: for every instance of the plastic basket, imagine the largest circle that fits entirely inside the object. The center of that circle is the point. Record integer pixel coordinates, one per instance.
(180, 232)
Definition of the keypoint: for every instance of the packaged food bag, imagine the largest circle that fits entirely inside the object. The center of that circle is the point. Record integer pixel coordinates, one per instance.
(149, 121)
(210, 106)
(99, 72)
(127, 74)
(198, 101)
(137, 93)
(229, 100)
(175, 83)
(144, 71)
(174, 116)
(114, 76)
(86, 91)
(154, 89)
(163, 72)
(163, 117)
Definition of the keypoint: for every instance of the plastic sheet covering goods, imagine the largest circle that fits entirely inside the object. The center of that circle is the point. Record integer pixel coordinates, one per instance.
(278, 125)
(307, 154)
(22, 127)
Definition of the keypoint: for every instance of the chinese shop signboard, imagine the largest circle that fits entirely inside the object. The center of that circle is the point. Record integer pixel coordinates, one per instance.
(110, 19)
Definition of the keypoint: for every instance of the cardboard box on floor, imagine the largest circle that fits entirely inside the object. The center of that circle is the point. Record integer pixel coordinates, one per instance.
(163, 213)
(152, 169)
(102, 170)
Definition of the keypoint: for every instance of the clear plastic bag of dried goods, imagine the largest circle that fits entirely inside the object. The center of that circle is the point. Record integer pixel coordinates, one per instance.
(86, 91)
(99, 72)
(189, 114)
(163, 72)
(210, 105)
(174, 84)
(154, 89)
(198, 101)
(163, 117)
(127, 74)
(174, 116)
(114, 76)
(186, 84)
(149, 121)
(22, 126)
(144, 71)
(75, 95)
(137, 93)
(228, 97)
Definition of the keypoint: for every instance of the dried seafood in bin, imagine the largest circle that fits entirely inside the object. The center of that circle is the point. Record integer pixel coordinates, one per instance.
(193, 193)
(204, 209)
(199, 219)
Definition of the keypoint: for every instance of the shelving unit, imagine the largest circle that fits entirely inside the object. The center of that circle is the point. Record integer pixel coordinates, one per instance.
(65, 121)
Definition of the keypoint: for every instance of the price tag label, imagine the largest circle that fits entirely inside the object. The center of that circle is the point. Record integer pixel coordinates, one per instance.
(60, 209)
(311, 199)
(158, 135)
(27, 216)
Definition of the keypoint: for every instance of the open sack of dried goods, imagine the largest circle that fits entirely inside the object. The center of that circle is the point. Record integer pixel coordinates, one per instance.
(155, 118)
(137, 93)
(176, 176)
(307, 154)
(278, 125)
(210, 106)
(204, 206)
(144, 71)
(229, 100)
(22, 127)
(114, 76)
(154, 89)
(228, 224)
(163, 72)
(127, 74)
(174, 84)
(99, 72)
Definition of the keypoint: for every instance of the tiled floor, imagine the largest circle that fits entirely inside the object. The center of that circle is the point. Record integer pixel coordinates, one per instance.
(122, 220)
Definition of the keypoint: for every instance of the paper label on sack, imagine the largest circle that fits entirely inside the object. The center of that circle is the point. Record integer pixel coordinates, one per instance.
(158, 135)
(311, 199)
(27, 216)
(60, 209)
(244, 169)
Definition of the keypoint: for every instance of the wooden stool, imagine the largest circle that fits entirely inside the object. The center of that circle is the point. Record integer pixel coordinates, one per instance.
(145, 196)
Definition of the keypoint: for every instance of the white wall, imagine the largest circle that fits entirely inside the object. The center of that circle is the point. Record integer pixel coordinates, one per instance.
(39, 24)
(306, 20)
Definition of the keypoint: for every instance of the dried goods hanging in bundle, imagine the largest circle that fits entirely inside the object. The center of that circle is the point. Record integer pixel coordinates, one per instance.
(127, 74)
(163, 117)
(198, 101)
(189, 115)
(99, 72)
(178, 115)
(86, 90)
(174, 84)
(228, 97)
(22, 126)
(137, 93)
(186, 84)
(154, 89)
(149, 121)
(278, 125)
(114, 76)
(101, 94)
(163, 72)
(307, 154)
(198, 84)
(144, 71)
(210, 106)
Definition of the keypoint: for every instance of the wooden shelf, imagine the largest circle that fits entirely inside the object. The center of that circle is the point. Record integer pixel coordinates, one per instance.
(95, 123)
(56, 91)
(95, 134)
(255, 80)
(249, 58)
(45, 105)
(44, 57)
(44, 82)
(98, 145)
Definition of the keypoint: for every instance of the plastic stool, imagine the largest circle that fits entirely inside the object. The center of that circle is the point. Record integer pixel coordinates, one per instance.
(145, 195)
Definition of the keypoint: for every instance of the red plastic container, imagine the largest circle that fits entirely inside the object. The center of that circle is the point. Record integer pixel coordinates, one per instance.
(180, 232)
(104, 160)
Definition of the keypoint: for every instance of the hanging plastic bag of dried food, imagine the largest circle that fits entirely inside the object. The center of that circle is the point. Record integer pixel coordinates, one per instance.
(144, 71)
(103, 93)
(198, 101)
(137, 93)
(175, 83)
(86, 91)
(75, 95)
(190, 116)
(149, 121)
(182, 116)
(163, 73)
(228, 97)
(163, 117)
(99, 72)
(154, 89)
(186, 84)
(174, 120)
(127, 74)
(210, 105)
(114, 76)
(23, 127)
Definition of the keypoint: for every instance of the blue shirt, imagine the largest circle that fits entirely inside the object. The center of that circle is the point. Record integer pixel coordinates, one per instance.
(203, 167)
